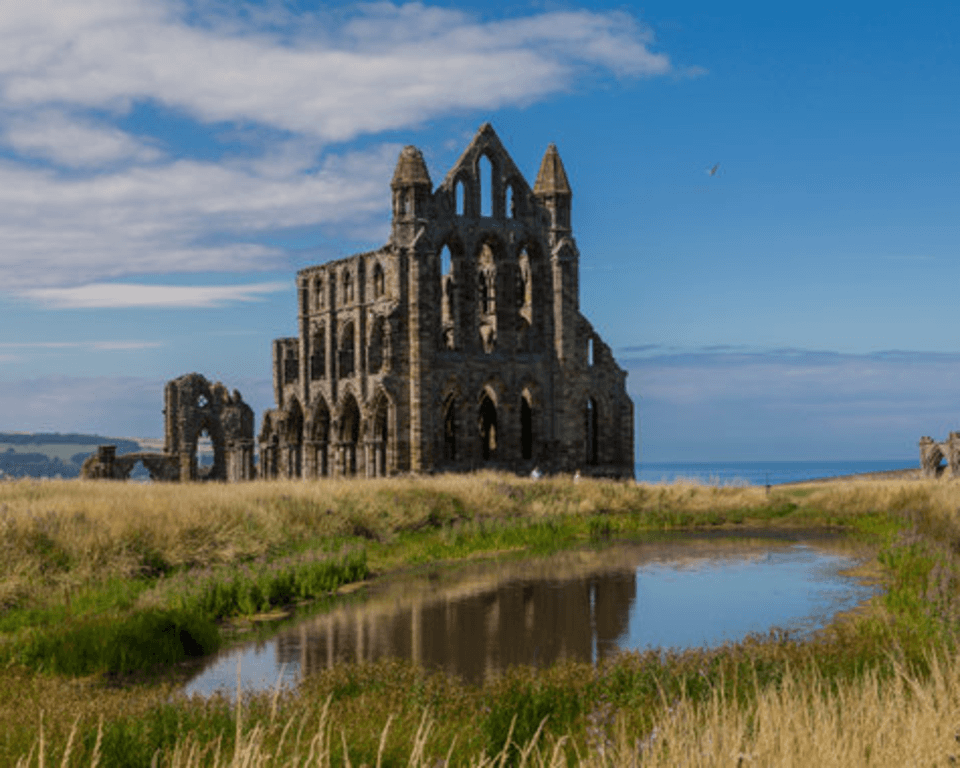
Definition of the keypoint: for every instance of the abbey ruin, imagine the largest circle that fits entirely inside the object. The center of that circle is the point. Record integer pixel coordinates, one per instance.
(458, 345)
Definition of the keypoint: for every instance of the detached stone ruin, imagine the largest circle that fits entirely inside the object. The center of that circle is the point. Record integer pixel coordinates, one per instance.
(456, 346)
(933, 454)
(193, 408)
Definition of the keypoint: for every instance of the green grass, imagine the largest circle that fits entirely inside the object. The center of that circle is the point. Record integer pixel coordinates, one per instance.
(233, 558)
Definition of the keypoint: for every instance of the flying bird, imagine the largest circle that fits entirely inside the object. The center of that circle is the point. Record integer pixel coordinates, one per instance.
(713, 171)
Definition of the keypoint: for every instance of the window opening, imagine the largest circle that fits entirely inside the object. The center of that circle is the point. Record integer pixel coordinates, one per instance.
(590, 351)
(349, 435)
(486, 186)
(318, 358)
(510, 203)
(375, 354)
(295, 440)
(460, 195)
(347, 351)
(321, 437)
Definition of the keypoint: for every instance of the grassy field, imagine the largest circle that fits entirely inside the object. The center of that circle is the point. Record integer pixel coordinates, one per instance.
(108, 591)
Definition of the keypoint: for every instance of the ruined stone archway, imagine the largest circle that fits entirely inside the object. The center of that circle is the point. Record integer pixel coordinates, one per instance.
(349, 436)
(378, 442)
(320, 438)
(526, 428)
(293, 463)
(487, 426)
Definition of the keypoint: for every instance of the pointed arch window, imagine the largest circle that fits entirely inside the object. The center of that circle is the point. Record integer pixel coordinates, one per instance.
(347, 287)
(379, 281)
(318, 357)
(347, 351)
(460, 198)
(486, 186)
(377, 352)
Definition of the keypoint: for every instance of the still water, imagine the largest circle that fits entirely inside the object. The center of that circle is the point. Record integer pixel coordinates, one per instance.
(677, 591)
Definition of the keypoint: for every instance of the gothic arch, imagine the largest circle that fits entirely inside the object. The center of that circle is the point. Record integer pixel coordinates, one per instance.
(320, 434)
(293, 432)
(349, 424)
(487, 426)
(378, 349)
(463, 194)
(379, 281)
(379, 435)
(318, 352)
(488, 188)
(346, 350)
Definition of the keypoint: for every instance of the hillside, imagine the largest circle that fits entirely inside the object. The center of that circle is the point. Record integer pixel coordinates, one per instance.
(51, 454)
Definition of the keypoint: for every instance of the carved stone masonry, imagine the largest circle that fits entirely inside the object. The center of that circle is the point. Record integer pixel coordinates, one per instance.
(194, 408)
(457, 345)
(933, 453)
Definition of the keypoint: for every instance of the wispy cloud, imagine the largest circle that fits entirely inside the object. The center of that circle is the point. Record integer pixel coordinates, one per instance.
(115, 346)
(83, 193)
(792, 403)
(106, 405)
(120, 295)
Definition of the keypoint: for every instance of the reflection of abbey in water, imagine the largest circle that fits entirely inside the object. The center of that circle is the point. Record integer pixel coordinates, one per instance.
(477, 635)
(456, 345)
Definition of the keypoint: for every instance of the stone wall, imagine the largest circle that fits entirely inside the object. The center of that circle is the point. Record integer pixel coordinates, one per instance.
(457, 345)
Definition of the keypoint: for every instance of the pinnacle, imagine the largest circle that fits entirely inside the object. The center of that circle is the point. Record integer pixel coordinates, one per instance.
(552, 178)
(411, 169)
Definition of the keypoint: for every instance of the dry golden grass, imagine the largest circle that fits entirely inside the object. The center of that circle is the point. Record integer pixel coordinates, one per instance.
(66, 533)
(56, 535)
(802, 722)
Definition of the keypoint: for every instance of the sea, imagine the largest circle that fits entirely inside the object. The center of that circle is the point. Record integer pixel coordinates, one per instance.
(762, 472)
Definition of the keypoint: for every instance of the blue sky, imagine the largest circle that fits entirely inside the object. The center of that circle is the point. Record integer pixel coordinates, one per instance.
(167, 165)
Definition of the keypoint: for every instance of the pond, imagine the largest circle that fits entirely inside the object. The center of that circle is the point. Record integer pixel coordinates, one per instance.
(475, 619)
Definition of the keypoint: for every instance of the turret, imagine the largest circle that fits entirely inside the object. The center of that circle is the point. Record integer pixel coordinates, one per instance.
(411, 187)
(553, 191)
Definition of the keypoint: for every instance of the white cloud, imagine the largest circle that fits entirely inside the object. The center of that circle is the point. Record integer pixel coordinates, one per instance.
(73, 141)
(389, 65)
(105, 405)
(84, 200)
(120, 346)
(792, 404)
(120, 295)
(149, 220)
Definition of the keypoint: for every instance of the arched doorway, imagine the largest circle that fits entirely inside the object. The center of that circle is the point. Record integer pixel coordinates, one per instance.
(349, 436)
(450, 429)
(591, 431)
(487, 423)
(379, 441)
(526, 429)
(321, 438)
(294, 439)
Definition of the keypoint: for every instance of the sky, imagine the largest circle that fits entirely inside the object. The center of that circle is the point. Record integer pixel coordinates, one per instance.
(166, 166)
